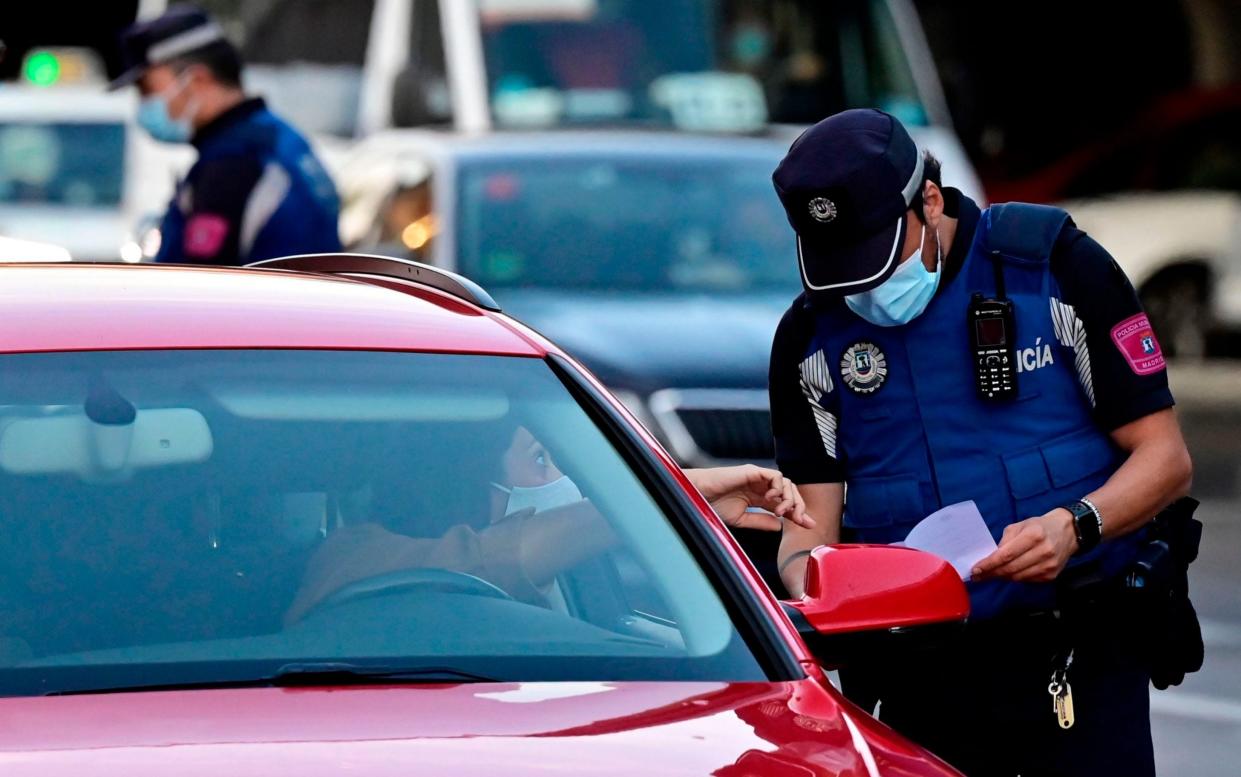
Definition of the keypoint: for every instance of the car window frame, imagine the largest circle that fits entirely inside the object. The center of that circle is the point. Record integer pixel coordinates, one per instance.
(769, 647)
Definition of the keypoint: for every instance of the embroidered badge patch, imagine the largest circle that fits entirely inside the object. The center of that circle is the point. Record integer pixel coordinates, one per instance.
(863, 367)
(1136, 341)
(204, 234)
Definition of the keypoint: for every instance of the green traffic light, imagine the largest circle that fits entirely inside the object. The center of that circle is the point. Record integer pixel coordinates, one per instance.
(42, 68)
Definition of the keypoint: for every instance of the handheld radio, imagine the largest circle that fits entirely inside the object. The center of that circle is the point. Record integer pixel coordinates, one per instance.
(992, 338)
(995, 357)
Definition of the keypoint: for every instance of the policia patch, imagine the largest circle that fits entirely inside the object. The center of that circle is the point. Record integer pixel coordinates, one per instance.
(864, 368)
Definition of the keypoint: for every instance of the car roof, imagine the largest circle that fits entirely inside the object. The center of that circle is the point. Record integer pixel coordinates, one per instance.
(65, 104)
(569, 143)
(76, 307)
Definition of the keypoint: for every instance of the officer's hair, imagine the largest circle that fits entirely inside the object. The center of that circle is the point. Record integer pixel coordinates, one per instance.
(221, 58)
(930, 172)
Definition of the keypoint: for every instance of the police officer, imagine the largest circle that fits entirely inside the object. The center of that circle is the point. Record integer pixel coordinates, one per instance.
(940, 354)
(257, 190)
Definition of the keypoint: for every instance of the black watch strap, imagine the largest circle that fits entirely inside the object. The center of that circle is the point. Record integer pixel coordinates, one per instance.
(1087, 525)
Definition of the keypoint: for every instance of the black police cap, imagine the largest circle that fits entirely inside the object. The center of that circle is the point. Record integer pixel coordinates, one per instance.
(145, 44)
(846, 185)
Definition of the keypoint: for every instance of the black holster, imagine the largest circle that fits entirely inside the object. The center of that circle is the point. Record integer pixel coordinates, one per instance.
(1152, 596)
(1157, 588)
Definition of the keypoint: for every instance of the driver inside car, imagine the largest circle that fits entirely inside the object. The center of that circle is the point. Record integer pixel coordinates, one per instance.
(540, 525)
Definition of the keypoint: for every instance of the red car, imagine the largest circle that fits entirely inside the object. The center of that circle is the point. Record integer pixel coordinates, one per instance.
(339, 515)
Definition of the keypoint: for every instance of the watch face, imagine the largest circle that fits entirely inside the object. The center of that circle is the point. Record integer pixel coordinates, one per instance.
(1087, 525)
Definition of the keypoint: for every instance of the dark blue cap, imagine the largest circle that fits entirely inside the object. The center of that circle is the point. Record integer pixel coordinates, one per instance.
(145, 44)
(846, 185)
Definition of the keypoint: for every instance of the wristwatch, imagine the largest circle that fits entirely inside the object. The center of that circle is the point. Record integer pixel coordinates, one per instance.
(1087, 524)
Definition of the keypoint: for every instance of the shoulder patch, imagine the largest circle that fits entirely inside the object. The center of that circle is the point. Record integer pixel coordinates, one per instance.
(205, 234)
(1137, 343)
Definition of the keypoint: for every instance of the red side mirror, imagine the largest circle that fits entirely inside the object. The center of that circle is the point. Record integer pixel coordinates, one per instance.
(854, 588)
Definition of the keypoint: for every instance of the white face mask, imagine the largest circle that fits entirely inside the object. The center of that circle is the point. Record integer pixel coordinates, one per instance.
(558, 493)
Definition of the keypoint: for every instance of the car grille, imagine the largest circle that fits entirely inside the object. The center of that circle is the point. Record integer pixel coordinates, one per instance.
(713, 425)
(730, 434)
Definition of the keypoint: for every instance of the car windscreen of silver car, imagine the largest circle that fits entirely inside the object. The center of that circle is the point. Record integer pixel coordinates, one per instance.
(655, 224)
(217, 517)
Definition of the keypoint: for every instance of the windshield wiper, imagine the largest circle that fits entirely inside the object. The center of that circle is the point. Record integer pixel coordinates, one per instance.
(339, 673)
(308, 674)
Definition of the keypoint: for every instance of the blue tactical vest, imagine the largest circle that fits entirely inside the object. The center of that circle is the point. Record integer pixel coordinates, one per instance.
(306, 218)
(914, 436)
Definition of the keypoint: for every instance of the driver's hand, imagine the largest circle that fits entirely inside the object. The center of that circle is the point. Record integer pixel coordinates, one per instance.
(732, 491)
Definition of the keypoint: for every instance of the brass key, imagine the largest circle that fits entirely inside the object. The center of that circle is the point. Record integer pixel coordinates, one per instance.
(1064, 706)
(1062, 694)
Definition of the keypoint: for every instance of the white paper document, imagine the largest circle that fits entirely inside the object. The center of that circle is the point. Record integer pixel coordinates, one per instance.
(956, 533)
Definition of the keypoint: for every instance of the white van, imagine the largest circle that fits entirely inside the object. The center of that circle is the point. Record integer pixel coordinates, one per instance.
(355, 67)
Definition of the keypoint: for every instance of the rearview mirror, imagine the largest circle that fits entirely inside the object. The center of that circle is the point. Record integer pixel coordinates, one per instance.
(73, 443)
(859, 596)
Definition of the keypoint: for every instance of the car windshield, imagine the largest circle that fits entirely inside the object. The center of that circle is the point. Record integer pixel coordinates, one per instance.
(61, 163)
(199, 517)
(666, 223)
(567, 62)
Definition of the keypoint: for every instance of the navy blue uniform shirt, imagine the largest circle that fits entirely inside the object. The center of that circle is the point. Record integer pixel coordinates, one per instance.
(256, 192)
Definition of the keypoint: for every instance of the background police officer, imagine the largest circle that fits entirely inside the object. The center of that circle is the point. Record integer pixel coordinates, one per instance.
(257, 190)
(874, 384)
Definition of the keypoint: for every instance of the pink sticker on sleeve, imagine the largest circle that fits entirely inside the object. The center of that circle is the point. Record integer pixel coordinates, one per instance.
(204, 234)
(1136, 341)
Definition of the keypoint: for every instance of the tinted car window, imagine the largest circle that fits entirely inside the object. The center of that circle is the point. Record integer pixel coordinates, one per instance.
(651, 224)
(61, 164)
(218, 515)
(569, 62)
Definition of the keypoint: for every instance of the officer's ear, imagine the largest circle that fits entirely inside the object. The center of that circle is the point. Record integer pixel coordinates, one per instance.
(932, 205)
(205, 73)
(194, 74)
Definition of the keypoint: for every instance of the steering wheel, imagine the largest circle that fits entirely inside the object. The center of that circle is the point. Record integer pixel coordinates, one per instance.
(406, 580)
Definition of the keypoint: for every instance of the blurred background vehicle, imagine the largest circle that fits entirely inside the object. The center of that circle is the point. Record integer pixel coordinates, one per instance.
(349, 68)
(1136, 133)
(659, 258)
(1163, 193)
(75, 170)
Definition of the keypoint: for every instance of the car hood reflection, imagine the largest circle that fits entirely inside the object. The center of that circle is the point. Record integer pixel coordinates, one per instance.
(476, 729)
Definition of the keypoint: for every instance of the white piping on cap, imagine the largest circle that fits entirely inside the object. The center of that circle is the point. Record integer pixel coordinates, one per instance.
(184, 42)
(896, 247)
(911, 188)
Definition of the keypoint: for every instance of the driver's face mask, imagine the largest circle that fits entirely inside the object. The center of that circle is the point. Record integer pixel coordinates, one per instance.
(558, 493)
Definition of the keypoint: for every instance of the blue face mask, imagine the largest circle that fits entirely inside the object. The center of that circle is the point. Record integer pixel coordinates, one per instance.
(153, 117)
(903, 296)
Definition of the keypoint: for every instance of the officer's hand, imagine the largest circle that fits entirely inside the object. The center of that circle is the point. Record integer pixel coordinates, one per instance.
(733, 490)
(1033, 550)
